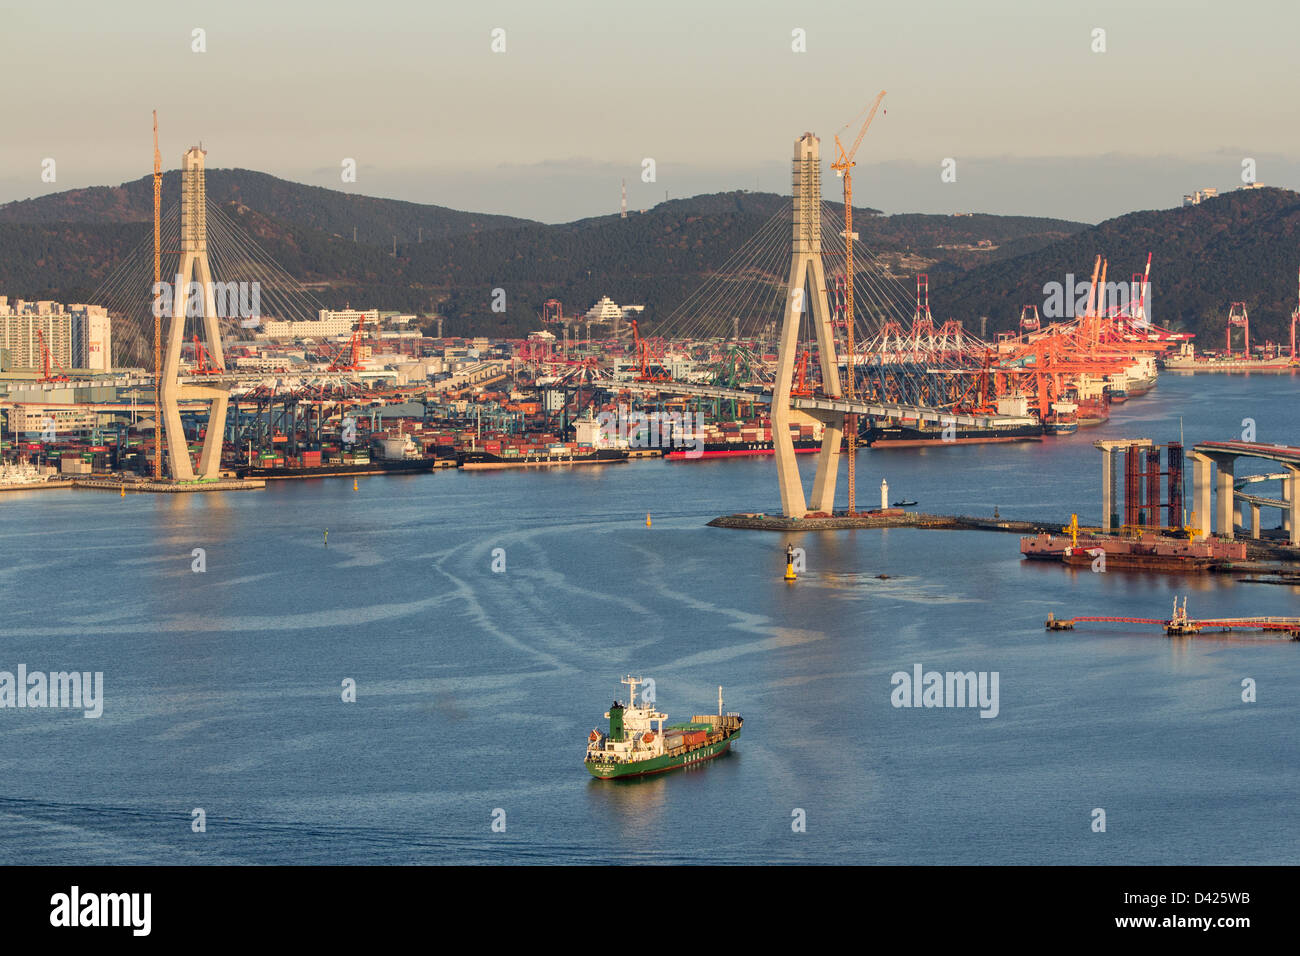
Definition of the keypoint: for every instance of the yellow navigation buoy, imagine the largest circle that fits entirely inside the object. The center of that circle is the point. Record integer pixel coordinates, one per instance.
(123, 490)
(789, 563)
(354, 484)
(327, 537)
(647, 519)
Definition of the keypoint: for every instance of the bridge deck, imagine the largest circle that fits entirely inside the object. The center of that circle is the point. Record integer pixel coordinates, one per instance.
(821, 403)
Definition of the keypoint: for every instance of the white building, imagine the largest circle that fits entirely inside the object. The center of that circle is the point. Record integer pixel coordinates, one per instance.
(330, 324)
(1198, 197)
(609, 312)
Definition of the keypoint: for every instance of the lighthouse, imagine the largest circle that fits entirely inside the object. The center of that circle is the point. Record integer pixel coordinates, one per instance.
(884, 494)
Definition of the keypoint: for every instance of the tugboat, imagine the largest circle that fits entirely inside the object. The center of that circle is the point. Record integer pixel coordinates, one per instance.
(634, 747)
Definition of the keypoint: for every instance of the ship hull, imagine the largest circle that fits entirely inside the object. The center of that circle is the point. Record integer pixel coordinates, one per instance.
(1151, 553)
(487, 461)
(1140, 562)
(910, 436)
(1182, 363)
(405, 466)
(1230, 365)
(739, 449)
(645, 768)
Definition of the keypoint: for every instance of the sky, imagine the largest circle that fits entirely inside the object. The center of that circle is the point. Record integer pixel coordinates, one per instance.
(1038, 113)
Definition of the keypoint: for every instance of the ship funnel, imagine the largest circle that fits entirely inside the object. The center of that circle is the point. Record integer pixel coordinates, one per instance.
(616, 722)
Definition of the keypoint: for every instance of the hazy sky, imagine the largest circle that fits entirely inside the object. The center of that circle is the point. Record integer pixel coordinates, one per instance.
(711, 90)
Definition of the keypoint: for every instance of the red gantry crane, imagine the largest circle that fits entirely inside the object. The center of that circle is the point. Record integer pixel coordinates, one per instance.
(47, 359)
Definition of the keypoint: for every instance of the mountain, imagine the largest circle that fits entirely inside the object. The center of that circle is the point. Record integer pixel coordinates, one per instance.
(1241, 246)
(331, 211)
(65, 245)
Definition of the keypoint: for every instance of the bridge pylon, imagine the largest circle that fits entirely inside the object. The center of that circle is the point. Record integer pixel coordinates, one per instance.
(194, 268)
(806, 293)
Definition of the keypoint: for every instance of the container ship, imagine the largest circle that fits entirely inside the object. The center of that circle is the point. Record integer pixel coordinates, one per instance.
(339, 469)
(635, 747)
(1063, 419)
(399, 455)
(1015, 424)
(495, 455)
(920, 434)
(1186, 360)
(740, 439)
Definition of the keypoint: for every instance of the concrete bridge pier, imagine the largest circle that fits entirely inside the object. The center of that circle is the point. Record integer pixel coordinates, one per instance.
(1288, 495)
(1202, 485)
(1107, 489)
(1291, 513)
(1111, 450)
(1226, 496)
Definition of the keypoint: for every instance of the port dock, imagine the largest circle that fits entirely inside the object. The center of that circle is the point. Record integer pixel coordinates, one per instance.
(169, 487)
(1180, 625)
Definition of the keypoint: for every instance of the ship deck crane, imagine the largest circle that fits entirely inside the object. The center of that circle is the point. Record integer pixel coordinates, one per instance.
(843, 167)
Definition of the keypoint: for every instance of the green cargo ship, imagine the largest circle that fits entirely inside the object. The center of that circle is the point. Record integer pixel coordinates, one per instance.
(635, 747)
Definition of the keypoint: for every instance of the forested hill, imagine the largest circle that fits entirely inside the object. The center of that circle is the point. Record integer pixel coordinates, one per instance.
(63, 245)
(1242, 246)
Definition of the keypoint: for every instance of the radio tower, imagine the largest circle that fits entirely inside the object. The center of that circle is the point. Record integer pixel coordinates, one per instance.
(624, 216)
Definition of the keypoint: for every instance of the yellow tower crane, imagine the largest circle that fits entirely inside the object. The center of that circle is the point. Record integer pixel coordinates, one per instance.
(157, 319)
(843, 167)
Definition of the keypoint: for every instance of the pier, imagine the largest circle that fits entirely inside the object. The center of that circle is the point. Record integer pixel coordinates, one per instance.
(169, 487)
(1180, 625)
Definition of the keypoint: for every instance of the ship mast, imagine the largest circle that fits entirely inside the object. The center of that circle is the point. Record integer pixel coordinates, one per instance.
(719, 700)
(632, 683)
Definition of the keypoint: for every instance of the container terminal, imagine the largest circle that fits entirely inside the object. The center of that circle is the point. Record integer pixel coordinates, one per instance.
(281, 395)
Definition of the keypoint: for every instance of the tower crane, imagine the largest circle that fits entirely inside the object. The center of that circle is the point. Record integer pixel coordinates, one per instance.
(843, 167)
(157, 319)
